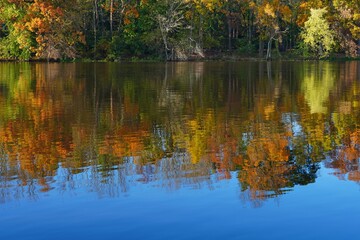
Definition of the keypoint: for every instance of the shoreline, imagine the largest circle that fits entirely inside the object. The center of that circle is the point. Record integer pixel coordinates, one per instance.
(210, 58)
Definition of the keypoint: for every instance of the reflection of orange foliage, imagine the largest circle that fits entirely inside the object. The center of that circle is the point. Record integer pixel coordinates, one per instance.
(32, 151)
(267, 177)
(131, 109)
(354, 176)
(265, 166)
(125, 142)
(34, 142)
(346, 159)
(222, 154)
(272, 148)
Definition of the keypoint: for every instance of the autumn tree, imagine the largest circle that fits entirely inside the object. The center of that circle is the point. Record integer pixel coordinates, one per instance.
(317, 34)
(40, 29)
(347, 25)
(14, 42)
(170, 21)
(272, 18)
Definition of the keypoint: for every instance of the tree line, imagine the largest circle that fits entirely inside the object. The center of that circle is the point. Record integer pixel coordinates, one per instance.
(177, 29)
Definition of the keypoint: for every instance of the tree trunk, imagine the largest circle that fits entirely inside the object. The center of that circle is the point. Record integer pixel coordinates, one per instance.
(229, 35)
(249, 28)
(164, 37)
(277, 48)
(111, 17)
(95, 18)
(268, 52)
(102, 22)
(261, 47)
(201, 33)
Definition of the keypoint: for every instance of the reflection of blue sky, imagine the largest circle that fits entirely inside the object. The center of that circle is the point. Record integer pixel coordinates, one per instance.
(291, 122)
(327, 209)
(247, 137)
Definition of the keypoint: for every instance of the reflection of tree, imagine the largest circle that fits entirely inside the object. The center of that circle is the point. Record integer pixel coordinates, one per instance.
(184, 125)
(345, 156)
(319, 80)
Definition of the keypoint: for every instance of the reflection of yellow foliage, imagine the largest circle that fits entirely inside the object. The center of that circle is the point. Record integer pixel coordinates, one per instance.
(345, 107)
(317, 84)
(269, 109)
(200, 130)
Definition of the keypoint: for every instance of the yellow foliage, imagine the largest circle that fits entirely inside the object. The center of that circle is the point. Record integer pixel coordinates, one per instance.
(269, 10)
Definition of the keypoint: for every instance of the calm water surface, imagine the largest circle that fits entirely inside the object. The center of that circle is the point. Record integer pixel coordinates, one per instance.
(237, 150)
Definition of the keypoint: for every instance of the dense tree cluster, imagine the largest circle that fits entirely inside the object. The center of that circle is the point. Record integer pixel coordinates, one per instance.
(176, 29)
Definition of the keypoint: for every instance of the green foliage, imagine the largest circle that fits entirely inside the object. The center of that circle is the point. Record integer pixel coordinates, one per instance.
(317, 34)
(302, 50)
(102, 49)
(115, 48)
(9, 48)
(245, 47)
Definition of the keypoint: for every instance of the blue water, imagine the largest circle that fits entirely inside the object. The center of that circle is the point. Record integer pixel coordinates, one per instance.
(242, 150)
(326, 209)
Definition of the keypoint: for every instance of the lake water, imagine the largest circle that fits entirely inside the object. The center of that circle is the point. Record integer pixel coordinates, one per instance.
(200, 150)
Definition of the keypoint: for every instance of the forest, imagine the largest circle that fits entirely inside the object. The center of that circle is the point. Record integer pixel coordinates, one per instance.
(115, 30)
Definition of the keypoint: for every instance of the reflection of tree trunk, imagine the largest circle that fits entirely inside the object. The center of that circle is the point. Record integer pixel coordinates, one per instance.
(165, 78)
(111, 105)
(162, 96)
(279, 84)
(229, 88)
(201, 92)
(261, 70)
(269, 71)
(95, 96)
(250, 88)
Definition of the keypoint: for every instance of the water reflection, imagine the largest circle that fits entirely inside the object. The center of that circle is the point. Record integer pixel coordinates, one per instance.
(110, 127)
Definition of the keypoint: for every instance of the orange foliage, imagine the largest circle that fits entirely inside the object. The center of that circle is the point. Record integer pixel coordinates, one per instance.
(130, 14)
